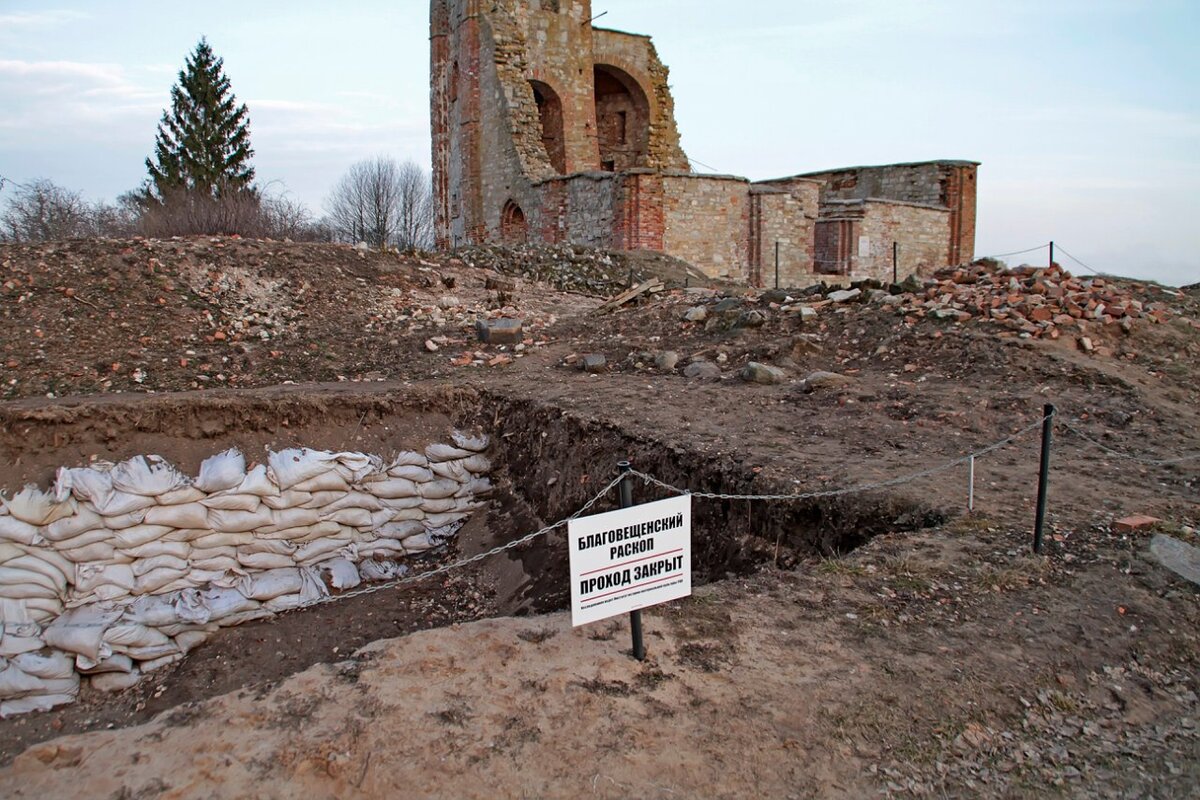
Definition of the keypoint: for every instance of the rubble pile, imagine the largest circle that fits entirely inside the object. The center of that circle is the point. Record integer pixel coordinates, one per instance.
(575, 268)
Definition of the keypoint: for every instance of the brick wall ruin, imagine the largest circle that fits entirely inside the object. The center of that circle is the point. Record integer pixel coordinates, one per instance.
(548, 129)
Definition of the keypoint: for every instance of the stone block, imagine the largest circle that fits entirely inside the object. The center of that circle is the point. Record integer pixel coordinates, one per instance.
(500, 331)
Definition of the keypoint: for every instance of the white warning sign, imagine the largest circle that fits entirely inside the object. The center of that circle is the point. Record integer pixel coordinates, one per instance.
(630, 559)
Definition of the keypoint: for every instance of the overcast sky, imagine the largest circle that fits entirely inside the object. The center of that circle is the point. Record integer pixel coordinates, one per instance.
(1085, 113)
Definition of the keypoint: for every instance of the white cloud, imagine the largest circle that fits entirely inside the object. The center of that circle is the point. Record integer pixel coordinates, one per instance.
(25, 21)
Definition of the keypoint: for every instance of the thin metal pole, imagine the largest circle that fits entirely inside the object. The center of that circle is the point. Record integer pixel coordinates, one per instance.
(777, 264)
(895, 262)
(1043, 480)
(1052, 255)
(635, 617)
(971, 485)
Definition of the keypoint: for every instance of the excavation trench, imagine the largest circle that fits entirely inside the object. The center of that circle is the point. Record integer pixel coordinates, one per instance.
(546, 465)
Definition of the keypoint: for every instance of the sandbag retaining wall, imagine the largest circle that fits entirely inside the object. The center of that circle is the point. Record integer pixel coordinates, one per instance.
(122, 569)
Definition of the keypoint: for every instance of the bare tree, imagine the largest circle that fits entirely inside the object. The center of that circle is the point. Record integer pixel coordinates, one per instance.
(382, 203)
(42, 211)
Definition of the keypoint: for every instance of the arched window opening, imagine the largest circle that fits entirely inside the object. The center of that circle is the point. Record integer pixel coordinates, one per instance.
(622, 119)
(550, 112)
(514, 228)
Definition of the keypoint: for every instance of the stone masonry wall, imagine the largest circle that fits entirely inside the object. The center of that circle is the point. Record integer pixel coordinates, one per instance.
(707, 221)
(855, 238)
(778, 217)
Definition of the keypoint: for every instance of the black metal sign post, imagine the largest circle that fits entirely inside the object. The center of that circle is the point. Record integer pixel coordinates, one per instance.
(1043, 480)
(635, 617)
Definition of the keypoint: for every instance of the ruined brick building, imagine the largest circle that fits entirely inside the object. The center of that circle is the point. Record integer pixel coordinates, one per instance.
(548, 129)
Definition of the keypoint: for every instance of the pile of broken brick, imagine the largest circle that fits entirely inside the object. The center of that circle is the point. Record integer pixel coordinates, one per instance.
(1034, 302)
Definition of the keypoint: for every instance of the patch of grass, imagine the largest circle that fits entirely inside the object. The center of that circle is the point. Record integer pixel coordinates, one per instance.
(839, 567)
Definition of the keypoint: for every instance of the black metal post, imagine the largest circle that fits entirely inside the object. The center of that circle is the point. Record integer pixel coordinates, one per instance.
(635, 617)
(1043, 480)
(776, 264)
(895, 262)
(1052, 255)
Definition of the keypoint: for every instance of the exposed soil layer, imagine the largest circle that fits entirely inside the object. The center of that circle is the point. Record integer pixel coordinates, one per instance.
(944, 662)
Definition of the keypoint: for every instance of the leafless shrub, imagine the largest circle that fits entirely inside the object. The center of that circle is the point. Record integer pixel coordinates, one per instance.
(43, 211)
(383, 203)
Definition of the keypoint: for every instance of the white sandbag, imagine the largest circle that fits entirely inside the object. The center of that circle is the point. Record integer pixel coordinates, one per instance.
(160, 662)
(93, 484)
(221, 472)
(325, 530)
(81, 631)
(317, 550)
(187, 534)
(291, 467)
(400, 530)
(162, 547)
(291, 518)
(294, 534)
(354, 500)
(149, 476)
(394, 488)
(36, 507)
(383, 549)
(43, 610)
(435, 521)
(271, 584)
(188, 494)
(212, 541)
(123, 636)
(21, 584)
(239, 521)
(477, 465)
(159, 580)
(454, 470)
(234, 502)
(275, 547)
(117, 662)
(50, 560)
(128, 519)
(221, 564)
(374, 571)
(139, 535)
(402, 503)
(222, 603)
(321, 499)
(84, 519)
(357, 466)
(262, 561)
(153, 612)
(47, 666)
(331, 481)
(100, 535)
(284, 603)
(289, 499)
(89, 577)
(419, 544)
(41, 702)
(187, 641)
(476, 487)
(440, 489)
(100, 551)
(354, 517)
(415, 474)
(408, 459)
(339, 574)
(9, 551)
(476, 443)
(144, 566)
(116, 681)
(202, 577)
(439, 506)
(257, 483)
(188, 515)
(15, 682)
(13, 645)
(18, 531)
(438, 453)
(381, 518)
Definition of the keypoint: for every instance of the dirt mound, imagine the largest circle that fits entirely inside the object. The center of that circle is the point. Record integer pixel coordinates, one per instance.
(98, 316)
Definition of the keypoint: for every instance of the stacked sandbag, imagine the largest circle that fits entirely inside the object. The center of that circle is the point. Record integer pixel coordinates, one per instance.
(124, 568)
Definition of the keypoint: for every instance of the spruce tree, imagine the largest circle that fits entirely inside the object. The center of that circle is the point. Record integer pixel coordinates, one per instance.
(203, 144)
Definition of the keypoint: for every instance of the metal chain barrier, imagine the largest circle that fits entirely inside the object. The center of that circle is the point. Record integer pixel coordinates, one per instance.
(1127, 456)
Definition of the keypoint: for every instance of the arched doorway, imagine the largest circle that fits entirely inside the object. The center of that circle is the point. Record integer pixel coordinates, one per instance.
(514, 228)
(551, 114)
(622, 119)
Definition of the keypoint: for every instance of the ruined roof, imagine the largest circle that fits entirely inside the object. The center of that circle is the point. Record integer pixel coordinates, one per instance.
(623, 33)
(942, 162)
